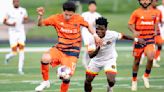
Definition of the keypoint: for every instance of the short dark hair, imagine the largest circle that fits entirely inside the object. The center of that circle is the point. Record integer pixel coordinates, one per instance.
(69, 6)
(102, 21)
(92, 2)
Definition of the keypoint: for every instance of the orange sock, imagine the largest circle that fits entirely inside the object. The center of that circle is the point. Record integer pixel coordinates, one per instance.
(157, 54)
(45, 71)
(134, 79)
(64, 87)
(146, 75)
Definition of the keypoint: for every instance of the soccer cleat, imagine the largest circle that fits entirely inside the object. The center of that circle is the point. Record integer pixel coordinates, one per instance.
(109, 89)
(155, 64)
(134, 86)
(42, 86)
(158, 58)
(146, 81)
(6, 61)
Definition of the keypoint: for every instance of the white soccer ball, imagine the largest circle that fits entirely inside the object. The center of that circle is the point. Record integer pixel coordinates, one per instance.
(64, 72)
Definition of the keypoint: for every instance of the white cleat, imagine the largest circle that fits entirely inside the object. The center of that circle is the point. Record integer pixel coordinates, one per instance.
(20, 72)
(159, 58)
(42, 86)
(146, 81)
(134, 86)
(109, 89)
(155, 64)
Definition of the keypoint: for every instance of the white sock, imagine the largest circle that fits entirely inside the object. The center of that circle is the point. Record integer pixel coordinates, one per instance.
(21, 61)
(10, 55)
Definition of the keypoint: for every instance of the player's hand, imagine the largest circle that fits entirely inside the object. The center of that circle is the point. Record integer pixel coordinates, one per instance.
(141, 41)
(13, 24)
(136, 34)
(98, 41)
(40, 11)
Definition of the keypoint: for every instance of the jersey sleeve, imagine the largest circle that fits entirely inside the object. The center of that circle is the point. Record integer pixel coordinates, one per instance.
(116, 35)
(133, 18)
(50, 21)
(25, 13)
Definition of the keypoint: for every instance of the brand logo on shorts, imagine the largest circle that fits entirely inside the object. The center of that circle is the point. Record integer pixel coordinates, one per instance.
(75, 25)
(113, 66)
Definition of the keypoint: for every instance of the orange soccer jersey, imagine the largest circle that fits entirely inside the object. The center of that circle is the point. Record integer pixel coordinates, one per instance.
(145, 21)
(69, 35)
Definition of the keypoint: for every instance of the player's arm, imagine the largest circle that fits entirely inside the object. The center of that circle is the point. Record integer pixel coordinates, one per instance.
(40, 12)
(8, 24)
(94, 53)
(132, 29)
(127, 37)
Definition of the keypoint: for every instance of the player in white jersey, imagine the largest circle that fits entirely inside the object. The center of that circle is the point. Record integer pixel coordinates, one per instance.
(161, 8)
(89, 16)
(15, 19)
(105, 57)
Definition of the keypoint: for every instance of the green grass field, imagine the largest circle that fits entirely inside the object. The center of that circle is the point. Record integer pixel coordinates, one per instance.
(10, 81)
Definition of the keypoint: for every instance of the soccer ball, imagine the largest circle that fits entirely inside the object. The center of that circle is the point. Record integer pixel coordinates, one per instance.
(64, 72)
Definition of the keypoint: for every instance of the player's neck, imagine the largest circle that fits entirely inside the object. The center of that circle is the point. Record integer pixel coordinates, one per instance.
(148, 8)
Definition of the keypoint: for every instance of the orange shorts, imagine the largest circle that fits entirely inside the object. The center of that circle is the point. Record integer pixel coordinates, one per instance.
(59, 58)
(158, 39)
(137, 52)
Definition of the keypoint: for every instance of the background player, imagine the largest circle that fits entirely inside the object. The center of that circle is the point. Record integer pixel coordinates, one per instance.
(15, 19)
(66, 52)
(90, 16)
(161, 8)
(158, 38)
(105, 56)
(143, 23)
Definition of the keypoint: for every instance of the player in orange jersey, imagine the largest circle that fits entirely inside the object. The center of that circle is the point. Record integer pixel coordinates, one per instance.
(158, 38)
(67, 50)
(143, 23)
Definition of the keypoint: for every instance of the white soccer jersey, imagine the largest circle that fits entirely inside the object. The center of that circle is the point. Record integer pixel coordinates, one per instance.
(16, 15)
(161, 8)
(86, 35)
(108, 50)
(16, 33)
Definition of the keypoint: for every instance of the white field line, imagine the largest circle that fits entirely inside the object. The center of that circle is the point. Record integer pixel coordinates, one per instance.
(43, 49)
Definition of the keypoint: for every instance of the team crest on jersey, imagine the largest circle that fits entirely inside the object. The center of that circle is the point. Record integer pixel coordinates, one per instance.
(153, 16)
(61, 23)
(109, 42)
(113, 66)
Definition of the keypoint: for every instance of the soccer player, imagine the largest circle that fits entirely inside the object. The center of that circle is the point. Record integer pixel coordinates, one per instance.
(15, 19)
(143, 23)
(90, 16)
(105, 57)
(66, 51)
(161, 8)
(158, 38)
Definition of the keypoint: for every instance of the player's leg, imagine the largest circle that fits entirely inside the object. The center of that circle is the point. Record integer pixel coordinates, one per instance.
(69, 61)
(13, 44)
(91, 72)
(111, 71)
(158, 40)
(21, 46)
(50, 57)
(142, 58)
(137, 52)
(150, 52)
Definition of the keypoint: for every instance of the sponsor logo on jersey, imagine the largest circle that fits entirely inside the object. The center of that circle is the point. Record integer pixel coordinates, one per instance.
(147, 22)
(68, 30)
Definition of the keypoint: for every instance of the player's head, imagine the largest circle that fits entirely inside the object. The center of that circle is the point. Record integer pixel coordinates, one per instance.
(16, 3)
(154, 3)
(92, 6)
(69, 9)
(163, 2)
(101, 26)
(145, 3)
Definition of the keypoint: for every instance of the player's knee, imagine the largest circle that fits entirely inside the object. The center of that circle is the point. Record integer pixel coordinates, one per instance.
(66, 81)
(46, 58)
(21, 47)
(14, 49)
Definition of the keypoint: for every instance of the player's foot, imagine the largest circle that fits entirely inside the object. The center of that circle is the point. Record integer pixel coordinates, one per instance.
(6, 61)
(109, 89)
(42, 86)
(155, 64)
(134, 86)
(158, 58)
(146, 81)
(20, 72)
